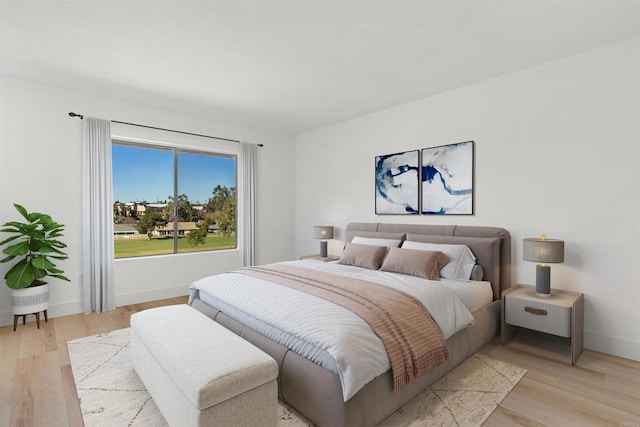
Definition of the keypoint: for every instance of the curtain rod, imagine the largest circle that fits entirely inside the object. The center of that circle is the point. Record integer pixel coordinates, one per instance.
(166, 130)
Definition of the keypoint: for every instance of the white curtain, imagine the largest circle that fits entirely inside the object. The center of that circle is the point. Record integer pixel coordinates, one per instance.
(249, 167)
(97, 216)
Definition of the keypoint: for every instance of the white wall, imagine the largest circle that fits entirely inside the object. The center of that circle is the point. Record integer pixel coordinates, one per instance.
(557, 152)
(40, 168)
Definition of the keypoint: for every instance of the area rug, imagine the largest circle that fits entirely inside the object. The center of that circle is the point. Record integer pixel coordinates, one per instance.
(111, 394)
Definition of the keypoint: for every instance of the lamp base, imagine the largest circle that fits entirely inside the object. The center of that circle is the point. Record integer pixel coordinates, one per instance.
(543, 280)
(323, 249)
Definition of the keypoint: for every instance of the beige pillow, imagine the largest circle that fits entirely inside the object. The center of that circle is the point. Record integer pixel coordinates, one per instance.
(425, 264)
(365, 256)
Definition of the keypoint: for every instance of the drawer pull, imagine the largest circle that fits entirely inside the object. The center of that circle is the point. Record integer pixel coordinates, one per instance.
(536, 311)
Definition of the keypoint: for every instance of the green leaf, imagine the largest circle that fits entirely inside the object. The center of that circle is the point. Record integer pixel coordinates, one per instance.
(33, 217)
(10, 239)
(35, 245)
(19, 249)
(7, 259)
(51, 226)
(61, 277)
(42, 263)
(17, 225)
(37, 217)
(58, 257)
(37, 233)
(46, 249)
(20, 275)
(38, 273)
(22, 211)
(59, 252)
(21, 228)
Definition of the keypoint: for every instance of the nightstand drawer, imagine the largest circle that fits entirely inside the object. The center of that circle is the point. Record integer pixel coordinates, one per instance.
(548, 318)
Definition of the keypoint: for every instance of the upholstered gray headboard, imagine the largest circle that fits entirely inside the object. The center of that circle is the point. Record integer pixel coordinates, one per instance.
(490, 245)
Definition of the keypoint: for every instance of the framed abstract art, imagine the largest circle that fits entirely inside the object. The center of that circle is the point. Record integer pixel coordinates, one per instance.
(397, 183)
(447, 179)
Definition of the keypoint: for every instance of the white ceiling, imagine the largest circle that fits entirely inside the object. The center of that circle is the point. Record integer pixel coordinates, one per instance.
(294, 66)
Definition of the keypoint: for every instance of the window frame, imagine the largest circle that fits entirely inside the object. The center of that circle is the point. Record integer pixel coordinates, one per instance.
(176, 149)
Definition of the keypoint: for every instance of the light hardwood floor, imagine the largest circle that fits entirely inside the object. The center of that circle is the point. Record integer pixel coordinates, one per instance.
(37, 387)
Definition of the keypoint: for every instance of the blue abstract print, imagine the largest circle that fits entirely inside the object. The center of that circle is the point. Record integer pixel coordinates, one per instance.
(397, 183)
(447, 179)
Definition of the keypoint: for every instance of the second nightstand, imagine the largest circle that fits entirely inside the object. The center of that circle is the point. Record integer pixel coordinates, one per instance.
(317, 257)
(560, 314)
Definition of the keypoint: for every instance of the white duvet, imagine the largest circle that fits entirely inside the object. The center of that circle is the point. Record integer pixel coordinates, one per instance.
(328, 334)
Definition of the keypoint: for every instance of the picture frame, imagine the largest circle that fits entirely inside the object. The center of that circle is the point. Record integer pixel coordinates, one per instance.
(447, 179)
(397, 183)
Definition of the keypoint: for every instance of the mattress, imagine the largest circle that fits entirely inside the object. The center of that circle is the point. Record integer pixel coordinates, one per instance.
(473, 294)
(327, 334)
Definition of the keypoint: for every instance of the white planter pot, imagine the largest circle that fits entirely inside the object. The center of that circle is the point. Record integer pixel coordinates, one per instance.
(30, 300)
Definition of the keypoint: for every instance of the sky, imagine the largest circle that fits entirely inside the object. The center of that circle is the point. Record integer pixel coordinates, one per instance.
(146, 174)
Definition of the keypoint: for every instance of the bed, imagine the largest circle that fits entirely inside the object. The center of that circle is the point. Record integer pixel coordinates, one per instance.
(315, 389)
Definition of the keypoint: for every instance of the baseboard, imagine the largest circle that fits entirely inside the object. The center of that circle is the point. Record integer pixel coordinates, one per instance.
(612, 345)
(65, 309)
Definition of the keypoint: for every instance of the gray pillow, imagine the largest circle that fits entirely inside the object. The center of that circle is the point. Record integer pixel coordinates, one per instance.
(365, 256)
(375, 241)
(477, 273)
(419, 263)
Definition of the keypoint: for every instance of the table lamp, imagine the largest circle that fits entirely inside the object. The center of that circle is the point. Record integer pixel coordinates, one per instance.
(323, 232)
(543, 250)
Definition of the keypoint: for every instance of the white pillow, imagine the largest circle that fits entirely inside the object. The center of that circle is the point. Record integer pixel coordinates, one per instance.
(374, 241)
(461, 259)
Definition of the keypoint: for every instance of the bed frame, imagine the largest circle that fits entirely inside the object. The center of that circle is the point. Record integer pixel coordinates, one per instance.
(317, 393)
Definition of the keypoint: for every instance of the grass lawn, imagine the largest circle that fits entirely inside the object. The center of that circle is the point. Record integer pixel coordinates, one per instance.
(133, 247)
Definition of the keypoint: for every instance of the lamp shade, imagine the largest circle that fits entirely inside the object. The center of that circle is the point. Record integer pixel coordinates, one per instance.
(543, 250)
(323, 232)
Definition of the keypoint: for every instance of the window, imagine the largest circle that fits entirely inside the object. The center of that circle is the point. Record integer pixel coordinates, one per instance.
(172, 200)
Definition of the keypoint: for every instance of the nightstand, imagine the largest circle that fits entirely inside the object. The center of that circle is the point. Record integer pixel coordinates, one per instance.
(317, 257)
(561, 314)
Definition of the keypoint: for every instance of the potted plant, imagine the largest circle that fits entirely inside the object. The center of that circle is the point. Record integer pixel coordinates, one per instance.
(34, 244)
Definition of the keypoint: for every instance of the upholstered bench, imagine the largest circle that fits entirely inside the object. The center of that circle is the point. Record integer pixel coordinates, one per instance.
(201, 374)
